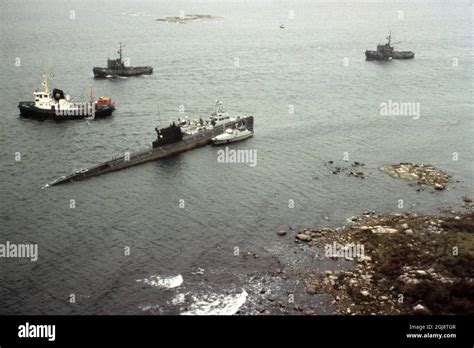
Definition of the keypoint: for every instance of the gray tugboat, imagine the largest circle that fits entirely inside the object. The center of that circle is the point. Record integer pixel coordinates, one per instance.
(386, 52)
(116, 67)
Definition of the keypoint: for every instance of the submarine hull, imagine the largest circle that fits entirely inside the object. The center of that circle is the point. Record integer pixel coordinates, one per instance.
(154, 153)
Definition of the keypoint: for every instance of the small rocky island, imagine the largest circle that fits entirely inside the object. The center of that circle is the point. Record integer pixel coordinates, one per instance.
(423, 174)
(188, 18)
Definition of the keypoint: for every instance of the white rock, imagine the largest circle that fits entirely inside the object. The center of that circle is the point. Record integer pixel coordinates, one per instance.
(303, 237)
(420, 309)
(383, 230)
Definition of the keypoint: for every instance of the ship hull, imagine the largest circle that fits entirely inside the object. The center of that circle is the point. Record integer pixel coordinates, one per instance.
(217, 142)
(403, 55)
(129, 71)
(28, 109)
(374, 55)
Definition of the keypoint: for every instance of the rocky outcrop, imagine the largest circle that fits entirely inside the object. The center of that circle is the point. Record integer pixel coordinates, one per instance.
(188, 18)
(423, 174)
(354, 169)
(413, 264)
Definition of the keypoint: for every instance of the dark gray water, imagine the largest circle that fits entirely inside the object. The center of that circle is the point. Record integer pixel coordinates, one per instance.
(316, 65)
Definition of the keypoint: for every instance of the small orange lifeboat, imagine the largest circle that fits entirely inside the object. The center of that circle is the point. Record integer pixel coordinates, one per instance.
(104, 101)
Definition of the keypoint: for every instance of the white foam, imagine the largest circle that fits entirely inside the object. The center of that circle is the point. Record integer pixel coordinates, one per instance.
(178, 299)
(147, 308)
(217, 304)
(163, 282)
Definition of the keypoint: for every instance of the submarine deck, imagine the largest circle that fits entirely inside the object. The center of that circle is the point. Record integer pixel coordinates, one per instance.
(188, 143)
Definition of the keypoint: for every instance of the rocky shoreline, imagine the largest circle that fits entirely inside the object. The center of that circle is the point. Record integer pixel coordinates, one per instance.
(392, 264)
(401, 263)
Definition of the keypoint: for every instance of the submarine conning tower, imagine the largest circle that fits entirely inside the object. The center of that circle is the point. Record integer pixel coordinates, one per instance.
(169, 135)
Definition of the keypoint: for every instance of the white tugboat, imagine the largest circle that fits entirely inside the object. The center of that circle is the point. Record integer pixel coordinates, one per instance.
(232, 135)
(58, 106)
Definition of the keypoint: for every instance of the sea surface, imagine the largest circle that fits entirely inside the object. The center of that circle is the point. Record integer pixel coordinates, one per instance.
(314, 98)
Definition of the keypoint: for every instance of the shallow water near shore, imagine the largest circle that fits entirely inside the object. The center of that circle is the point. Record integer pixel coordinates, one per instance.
(230, 210)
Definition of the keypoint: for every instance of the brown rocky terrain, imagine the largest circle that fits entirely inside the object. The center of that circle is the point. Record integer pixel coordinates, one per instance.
(409, 264)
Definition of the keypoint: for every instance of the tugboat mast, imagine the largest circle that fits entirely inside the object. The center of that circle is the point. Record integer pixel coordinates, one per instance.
(389, 37)
(91, 94)
(120, 52)
(45, 83)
